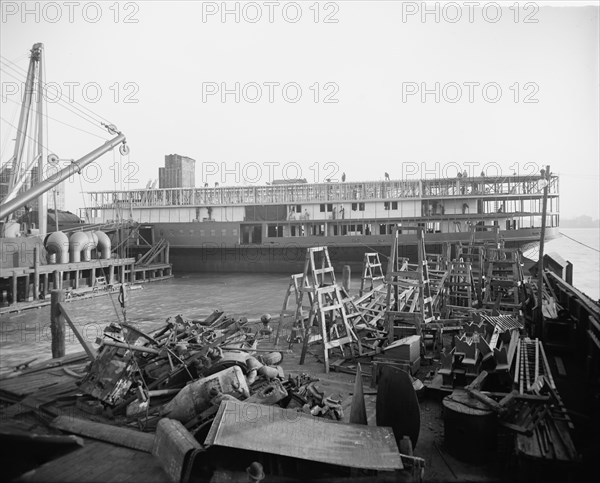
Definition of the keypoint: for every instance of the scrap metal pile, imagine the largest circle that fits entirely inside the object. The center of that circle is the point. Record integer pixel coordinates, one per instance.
(185, 369)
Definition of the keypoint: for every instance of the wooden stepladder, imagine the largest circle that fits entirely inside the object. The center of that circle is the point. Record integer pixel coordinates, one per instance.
(409, 293)
(298, 312)
(504, 280)
(327, 307)
(460, 284)
(372, 273)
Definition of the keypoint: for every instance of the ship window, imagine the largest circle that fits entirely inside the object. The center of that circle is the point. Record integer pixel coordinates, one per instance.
(212, 232)
(394, 205)
(201, 232)
(329, 207)
(322, 208)
(361, 207)
(354, 206)
(275, 230)
(382, 229)
(234, 232)
(386, 205)
(223, 232)
(298, 208)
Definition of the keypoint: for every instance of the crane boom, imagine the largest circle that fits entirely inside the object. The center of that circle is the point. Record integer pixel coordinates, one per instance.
(76, 166)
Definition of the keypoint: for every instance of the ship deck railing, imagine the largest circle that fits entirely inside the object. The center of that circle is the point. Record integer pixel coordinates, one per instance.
(480, 187)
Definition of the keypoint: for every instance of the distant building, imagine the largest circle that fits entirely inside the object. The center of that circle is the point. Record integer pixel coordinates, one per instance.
(179, 172)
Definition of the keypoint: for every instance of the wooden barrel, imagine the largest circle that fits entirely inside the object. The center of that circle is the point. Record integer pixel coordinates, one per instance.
(470, 427)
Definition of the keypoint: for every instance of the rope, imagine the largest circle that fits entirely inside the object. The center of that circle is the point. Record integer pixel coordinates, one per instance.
(576, 241)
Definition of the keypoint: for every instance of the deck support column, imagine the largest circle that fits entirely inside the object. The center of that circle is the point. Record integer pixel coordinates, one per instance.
(57, 324)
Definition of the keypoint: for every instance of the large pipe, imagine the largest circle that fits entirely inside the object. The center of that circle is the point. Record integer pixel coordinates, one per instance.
(87, 254)
(79, 242)
(31, 194)
(57, 244)
(103, 244)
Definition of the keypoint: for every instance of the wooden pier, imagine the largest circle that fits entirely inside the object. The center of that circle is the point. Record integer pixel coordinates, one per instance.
(26, 287)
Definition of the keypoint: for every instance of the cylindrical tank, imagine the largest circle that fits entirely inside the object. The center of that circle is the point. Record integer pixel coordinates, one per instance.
(103, 244)
(470, 427)
(12, 229)
(197, 395)
(57, 245)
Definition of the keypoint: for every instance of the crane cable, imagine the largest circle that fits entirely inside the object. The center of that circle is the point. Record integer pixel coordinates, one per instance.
(581, 243)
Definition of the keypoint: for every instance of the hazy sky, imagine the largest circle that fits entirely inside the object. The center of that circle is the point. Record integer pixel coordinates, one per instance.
(256, 90)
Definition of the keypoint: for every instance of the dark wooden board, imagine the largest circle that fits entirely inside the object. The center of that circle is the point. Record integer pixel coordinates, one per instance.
(397, 404)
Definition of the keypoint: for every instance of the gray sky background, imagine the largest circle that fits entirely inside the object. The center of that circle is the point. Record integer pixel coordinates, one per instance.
(372, 55)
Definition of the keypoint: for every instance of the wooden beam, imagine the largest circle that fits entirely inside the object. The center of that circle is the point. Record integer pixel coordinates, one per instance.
(89, 350)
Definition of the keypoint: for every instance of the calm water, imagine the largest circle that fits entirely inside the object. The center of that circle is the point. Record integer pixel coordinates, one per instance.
(27, 335)
(586, 262)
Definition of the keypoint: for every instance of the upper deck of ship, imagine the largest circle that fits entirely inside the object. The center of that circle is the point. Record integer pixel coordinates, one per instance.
(505, 187)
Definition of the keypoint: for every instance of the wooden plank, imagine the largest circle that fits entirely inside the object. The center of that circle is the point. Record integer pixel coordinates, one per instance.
(86, 347)
(105, 432)
(98, 461)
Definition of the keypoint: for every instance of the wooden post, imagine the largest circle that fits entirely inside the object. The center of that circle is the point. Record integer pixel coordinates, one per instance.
(167, 252)
(346, 278)
(27, 287)
(36, 274)
(540, 316)
(57, 324)
(132, 274)
(14, 288)
(46, 283)
(56, 284)
(111, 274)
(569, 273)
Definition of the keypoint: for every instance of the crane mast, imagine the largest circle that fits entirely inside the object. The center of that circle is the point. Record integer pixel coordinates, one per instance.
(15, 199)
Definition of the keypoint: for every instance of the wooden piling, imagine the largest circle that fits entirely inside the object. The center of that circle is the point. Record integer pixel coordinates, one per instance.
(14, 288)
(36, 274)
(57, 284)
(57, 324)
(46, 284)
(346, 278)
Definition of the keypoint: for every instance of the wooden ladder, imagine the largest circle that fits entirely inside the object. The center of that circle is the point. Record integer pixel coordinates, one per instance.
(327, 307)
(329, 311)
(504, 280)
(292, 290)
(461, 285)
(413, 305)
(372, 272)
